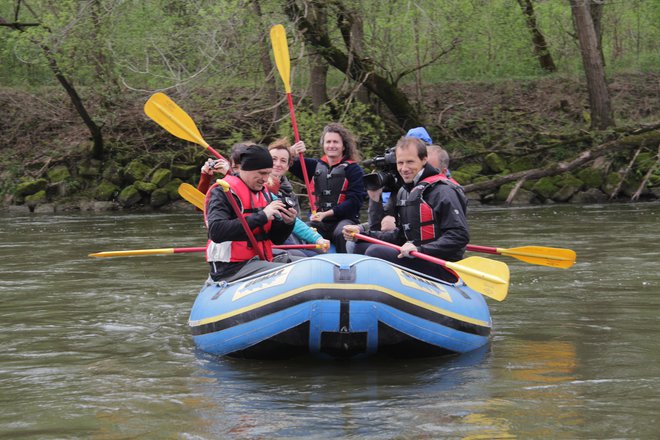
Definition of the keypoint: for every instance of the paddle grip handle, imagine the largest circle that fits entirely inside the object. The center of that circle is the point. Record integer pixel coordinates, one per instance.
(483, 249)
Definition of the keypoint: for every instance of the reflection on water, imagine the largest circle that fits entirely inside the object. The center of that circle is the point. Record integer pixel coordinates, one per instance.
(101, 348)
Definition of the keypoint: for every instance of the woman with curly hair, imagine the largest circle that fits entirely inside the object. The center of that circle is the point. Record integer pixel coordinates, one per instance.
(338, 186)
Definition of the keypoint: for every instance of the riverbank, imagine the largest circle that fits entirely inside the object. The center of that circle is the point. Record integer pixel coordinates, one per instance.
(495, 133)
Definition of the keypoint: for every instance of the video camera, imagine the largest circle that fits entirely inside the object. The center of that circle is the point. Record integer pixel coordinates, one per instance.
(385, 175)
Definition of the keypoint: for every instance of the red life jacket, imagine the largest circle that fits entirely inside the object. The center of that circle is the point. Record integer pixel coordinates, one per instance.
(416, 216)
(330, 184)
(249, 202)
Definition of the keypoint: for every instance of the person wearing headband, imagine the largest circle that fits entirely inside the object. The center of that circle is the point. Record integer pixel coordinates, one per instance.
(229, 252)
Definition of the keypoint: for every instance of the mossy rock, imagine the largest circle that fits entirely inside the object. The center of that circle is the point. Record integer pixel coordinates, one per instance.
(521, 164)
(471, 169)
(545, 187)
(611, 182)
(184, 172)
(112, 173)
(477, 179)
(568, 179)
(645, 161)
(36, 198)
(503, 191)
(590, 196)
(630, 186)
(161, 177)
(172, 189)
(30, 187)
(569, 186)
(145, 187)
(60, 189)
(58, 173)
(461, 178)
(129, 196)
(654, 180)
(495, 163)
(592, 177)
(159, 198)
(105, 191)
(135, 171)
(524, 197)
(89, 169)
(528, 184)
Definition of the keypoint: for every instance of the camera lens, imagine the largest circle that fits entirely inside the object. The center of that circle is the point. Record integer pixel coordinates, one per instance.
(288, 201)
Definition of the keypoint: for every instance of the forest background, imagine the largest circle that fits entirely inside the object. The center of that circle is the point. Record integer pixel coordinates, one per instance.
(537, 101)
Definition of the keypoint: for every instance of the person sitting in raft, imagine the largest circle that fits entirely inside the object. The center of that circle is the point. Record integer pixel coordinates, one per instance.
(229, 252)
(381, 212)
(280, 186)
(338, 186)
(430, 212)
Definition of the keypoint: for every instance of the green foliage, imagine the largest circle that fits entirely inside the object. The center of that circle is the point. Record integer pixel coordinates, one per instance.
(367, 127)
(160, 44)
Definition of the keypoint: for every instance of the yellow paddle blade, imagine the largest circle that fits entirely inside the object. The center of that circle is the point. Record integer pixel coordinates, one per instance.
(281, 53)
(192, 195)
(132, 253)
(543, 256)
(172, 118)
(486, 276)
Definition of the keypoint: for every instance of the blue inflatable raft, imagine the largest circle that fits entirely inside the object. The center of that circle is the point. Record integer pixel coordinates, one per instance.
(339, 306)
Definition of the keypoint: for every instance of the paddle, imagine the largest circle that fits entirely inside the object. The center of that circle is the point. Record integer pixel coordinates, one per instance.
(192, 195)
(283, 63)
(135, 252)
(540, 255)
(488, 277)
(162, 110)
(165, 251)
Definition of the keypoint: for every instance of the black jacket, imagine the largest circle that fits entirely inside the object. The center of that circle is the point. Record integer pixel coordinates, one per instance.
(449, 206)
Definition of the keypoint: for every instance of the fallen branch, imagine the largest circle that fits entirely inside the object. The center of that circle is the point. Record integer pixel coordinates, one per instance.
(643, 139)
(514, 191)
(646, 177)
(625, 175)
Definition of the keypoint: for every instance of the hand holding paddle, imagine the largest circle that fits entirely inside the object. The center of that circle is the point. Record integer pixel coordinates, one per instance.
(488, 277)
(283, 63)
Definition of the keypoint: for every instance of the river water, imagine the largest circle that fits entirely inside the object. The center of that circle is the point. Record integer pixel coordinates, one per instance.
(100, 348)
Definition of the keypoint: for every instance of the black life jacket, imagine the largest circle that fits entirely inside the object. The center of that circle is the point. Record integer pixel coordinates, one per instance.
(416, 216)
(330, 185)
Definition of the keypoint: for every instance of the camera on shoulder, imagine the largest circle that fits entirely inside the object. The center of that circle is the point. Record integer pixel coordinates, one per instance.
(384, 174)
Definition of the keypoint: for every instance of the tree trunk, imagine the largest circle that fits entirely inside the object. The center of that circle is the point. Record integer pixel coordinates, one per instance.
(267, 65)
(599, 97)
(318, 75)
(358, 69)
(540, 45)
(350, 24)
(95, 130)
(596, 10)
(318, 72)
